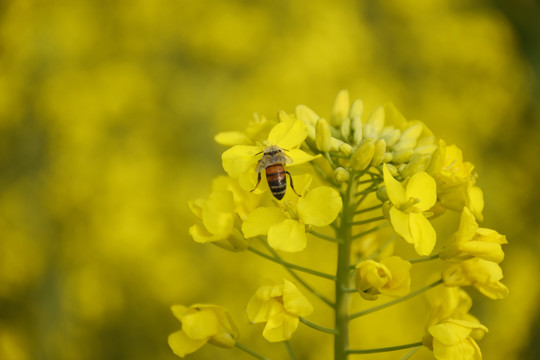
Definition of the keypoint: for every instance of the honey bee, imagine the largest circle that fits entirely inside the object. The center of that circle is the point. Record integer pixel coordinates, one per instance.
(273, 161)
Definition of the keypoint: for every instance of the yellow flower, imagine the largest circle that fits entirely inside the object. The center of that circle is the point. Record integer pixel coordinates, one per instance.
(219, 212)
(240, 160)
(389, 277)
(408, 206)
(318, 207)
(455, 180)
(451, 331)
(452, 339)
(202, 323)
(473, 241)
(279, 306)
(482, 274)
(447, 302)
(256, 131)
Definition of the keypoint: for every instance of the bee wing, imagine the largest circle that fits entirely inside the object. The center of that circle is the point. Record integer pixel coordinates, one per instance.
(288, 159)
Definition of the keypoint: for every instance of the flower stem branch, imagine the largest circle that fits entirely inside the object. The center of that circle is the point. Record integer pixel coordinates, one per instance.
(317, 327)
(290, 265)
(367, 221)
(385, 349)
(364, 233)
(401, 299)
(250, 352)
(323, 236)
(424, 258)
(371, 208)
(289, 350)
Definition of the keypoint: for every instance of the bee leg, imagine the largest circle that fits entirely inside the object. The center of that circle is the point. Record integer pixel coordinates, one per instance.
(292, 186)
(258, 181)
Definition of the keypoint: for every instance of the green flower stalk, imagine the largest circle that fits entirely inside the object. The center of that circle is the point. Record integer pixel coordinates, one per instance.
(366, 185)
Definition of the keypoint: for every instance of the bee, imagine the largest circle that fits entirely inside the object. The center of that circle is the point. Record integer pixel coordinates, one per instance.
(273, 161)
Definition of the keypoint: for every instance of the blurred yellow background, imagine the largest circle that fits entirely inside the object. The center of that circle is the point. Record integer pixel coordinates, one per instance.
(107, 116)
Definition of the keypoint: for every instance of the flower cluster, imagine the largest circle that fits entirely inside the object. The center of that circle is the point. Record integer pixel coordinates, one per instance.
(362, 183)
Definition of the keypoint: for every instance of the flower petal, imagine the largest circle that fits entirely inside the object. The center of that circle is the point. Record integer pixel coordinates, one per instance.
(288, 134)
(280, 327)
(289, 235)
(259, 309)
(259, 221)
(218, 212)
(200, 325)
(201, 235)
(394, 189)
(239, 159)
(423, 234)
(293, 300)
(421, 186)
(182, 345)
(319, 206)
(300, 157)
(230, 138)
(400, 223)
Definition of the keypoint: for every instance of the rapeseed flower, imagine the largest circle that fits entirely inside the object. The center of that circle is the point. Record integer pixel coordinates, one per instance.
(279, 306)
(409, 204)
(391, 276)
(239, 161)
(473, 241)
(286, 230)
(202, 323)
(482, 274)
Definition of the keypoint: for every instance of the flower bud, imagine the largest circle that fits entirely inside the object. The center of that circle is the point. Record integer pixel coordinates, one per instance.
(341, 175)
(409, 137)
(341, 108)
(283, 116)
(392, 137)
(387, 157)
(363, 155)
(346, 128)
(322, 135)
(380, 148)
(306, 115)
(356, 109)
(358, 128)
(376, 119)
(370, 132)
(402, 156)
(416, 164)
(346, 149)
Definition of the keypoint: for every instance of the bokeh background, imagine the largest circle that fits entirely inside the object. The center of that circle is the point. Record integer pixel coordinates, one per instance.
(107, 116)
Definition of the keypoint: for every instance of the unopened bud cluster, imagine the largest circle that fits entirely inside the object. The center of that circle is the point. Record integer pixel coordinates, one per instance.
(385, 136)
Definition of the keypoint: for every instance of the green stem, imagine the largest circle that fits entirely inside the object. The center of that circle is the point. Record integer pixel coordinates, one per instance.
(371, 208)
(386, 349)
(290, 265)
(250, 352)
(425, 258)
(406, 297)
(323, 236)
(369, 231)
(289, 350)
(410, 353)
(367, 221)
(341, 340)
(317, 327)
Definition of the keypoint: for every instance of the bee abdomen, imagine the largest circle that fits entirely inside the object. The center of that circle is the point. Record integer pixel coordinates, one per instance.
(277, 181)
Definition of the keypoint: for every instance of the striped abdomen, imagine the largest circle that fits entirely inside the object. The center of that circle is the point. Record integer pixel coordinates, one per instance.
(275, 175)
